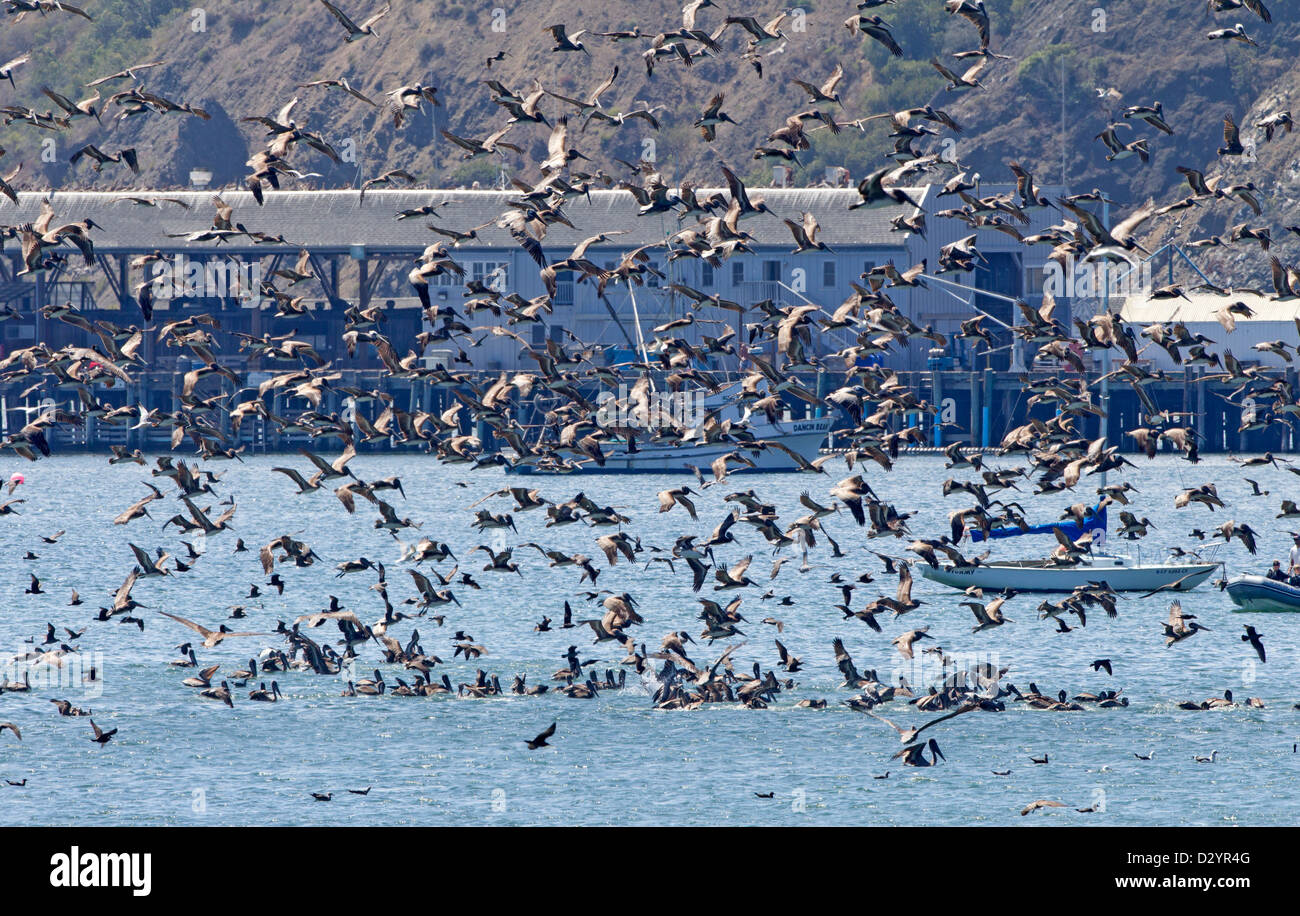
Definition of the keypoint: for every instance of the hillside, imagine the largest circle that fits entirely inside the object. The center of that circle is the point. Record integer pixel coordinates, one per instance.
(247, 58)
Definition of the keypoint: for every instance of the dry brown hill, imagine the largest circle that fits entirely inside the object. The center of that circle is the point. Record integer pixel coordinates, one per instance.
(237, 59)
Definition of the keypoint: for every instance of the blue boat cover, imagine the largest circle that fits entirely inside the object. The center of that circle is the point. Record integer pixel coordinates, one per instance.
(1072, 529)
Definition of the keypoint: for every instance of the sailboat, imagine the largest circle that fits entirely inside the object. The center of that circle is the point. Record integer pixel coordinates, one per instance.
(693, 452)
(804, 437)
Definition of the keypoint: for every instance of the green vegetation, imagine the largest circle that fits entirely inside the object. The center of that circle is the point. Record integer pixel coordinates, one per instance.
(67, 52)
(119, 36)
(484, 171)
(1041, 71)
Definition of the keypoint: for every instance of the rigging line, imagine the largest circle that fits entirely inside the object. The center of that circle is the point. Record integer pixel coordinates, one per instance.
(636, 317)
(971, 301)
(609, 306)
(796, 292)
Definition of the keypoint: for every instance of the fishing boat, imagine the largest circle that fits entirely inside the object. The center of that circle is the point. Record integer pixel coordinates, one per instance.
(1123, 574)
(1260, 593)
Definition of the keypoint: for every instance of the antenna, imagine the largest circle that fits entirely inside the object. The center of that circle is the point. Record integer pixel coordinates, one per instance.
(1104, 392)
(1063, 121)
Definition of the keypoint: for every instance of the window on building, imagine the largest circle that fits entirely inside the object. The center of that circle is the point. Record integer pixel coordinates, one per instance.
(772, 271)
(706, 276)
(737, 273)
(564, 289)
(556, 333)
(828, 274)
(652, 279)
(1034, 280)
(539, 334)
(1000, 272)
(492, 274)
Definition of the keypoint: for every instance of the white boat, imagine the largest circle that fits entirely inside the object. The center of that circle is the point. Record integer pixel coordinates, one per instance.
(1260, 593)
(1121, 573)
(804, 437)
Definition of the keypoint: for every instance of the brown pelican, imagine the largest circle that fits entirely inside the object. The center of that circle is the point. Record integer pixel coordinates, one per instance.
(765, 34)
(409, 98)
(974, 12)
(211, 638)
(8, 67)
(1236, 33)
(221, 693)
(908, 735)
(805, 235)
(356, 32)
(99, 157)
(1255, 6)
(874, 27)
(712, 117)
(826, 91)
(130, 73)
(914, 755)
(566, 42)
(874, 194)
(202, 679)
(261, 694)
(1041, 803)
(967, 80)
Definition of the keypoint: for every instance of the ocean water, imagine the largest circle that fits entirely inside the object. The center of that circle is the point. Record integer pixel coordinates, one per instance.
(180, 759)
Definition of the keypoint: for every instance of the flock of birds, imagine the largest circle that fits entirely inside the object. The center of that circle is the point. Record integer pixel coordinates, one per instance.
(876, 409)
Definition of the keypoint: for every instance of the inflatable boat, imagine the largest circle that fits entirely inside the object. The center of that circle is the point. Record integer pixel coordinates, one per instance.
(1260, 593)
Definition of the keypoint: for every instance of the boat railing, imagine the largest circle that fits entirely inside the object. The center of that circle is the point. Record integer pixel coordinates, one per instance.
(1211, 554)
(1208, 554)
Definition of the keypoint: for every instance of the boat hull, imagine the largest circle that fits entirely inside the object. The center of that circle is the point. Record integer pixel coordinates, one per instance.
(1259, 593)
(1122, 577)
(804, 437)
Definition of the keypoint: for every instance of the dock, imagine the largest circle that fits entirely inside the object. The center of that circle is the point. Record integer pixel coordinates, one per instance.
(976, 409)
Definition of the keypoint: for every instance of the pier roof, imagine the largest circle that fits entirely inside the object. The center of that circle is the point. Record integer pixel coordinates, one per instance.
(335, 221)
(1200, 307)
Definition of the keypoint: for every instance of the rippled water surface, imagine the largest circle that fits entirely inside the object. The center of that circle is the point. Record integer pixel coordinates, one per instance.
(181, 759)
